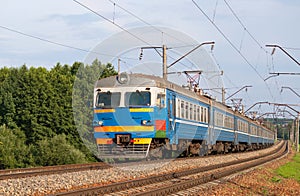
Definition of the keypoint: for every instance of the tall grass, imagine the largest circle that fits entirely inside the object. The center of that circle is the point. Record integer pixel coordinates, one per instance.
(291, 169)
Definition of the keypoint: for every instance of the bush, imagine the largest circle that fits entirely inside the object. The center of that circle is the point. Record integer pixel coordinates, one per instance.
(57, 151)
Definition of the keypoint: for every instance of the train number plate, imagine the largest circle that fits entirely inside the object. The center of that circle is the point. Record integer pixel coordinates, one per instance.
(121, 139)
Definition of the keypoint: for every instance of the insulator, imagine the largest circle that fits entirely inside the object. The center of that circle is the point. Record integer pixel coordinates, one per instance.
(141, 55)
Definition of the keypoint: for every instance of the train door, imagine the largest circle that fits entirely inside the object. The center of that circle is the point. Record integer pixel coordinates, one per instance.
(235, 131)
(171, 105)
(211, 125)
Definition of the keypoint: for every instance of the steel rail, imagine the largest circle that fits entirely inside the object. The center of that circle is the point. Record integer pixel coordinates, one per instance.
(213, 176)
(121, 186)
(28, 172)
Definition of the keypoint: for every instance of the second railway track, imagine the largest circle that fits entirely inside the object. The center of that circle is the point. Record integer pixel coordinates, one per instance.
(28, 172)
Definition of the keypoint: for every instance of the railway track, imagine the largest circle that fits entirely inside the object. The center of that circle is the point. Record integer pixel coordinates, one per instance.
(176, 181)
(28, 172)
(36, 171)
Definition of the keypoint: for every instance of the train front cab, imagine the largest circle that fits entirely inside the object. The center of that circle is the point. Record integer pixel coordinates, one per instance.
(128, 119)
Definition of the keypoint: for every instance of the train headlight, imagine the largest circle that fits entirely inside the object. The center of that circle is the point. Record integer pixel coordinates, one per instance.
(144, 122)
(123, 78)
(100, 122)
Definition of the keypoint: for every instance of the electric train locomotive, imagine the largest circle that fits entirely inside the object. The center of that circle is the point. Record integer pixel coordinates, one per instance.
(138, 116)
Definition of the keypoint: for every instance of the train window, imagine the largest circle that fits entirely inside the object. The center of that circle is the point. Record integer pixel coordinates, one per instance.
(216, 118)
(198, 113)
(227, 121)
(191, 111)
(221, 120)
(186, 110)
(177, 108)
(160, 100)
(205, 115)
(108, 99)
(182, 109)
(241, 128)
(138, 98)
(252, 130)
(195, 112)
(202, 115)
(231, 123)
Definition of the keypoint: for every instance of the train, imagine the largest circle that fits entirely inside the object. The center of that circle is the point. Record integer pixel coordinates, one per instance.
(140, 116)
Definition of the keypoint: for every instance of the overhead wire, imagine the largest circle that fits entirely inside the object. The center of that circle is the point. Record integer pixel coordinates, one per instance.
(57, 43)
(218, 64)
(122, 28)
(215, 10)
(112, 22)
(248, 32)
(212, 54)
(157, 29)
(242, 40)
(244, 27)
(233, 46)
(227, 39)
(290, 48)
(144, 21)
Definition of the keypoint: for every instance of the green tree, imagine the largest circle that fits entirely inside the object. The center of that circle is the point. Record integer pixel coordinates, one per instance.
(7, 108)
(32, 99)
(14, 153)
(39, 104)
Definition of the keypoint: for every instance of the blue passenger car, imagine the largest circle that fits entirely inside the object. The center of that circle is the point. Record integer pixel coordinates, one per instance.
(137, 116)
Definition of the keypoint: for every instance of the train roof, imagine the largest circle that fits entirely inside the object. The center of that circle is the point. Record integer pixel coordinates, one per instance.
(149, 81)
(133, 80)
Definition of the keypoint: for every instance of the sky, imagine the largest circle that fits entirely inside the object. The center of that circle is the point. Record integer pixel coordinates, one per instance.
(43, 33)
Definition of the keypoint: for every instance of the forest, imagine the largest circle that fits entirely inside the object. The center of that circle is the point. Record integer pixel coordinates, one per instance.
(37, 107)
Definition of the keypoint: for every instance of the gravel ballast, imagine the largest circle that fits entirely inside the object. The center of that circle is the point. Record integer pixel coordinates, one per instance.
(41, 185)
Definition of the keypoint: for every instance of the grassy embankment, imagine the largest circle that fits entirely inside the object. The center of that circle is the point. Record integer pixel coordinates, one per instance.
(290, 169)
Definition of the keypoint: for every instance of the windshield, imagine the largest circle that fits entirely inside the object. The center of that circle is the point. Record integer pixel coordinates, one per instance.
(108, 99)
(138, 98)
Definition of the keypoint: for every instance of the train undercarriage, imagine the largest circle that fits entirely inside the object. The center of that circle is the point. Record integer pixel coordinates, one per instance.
(161, 148)
(187, 148)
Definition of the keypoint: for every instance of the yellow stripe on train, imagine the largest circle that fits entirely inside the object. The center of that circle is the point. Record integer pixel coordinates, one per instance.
(124, 128)
(104, 110)
(142, 140)
(131, 110)
(135, 140)
(104, 140)
(141, 109)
